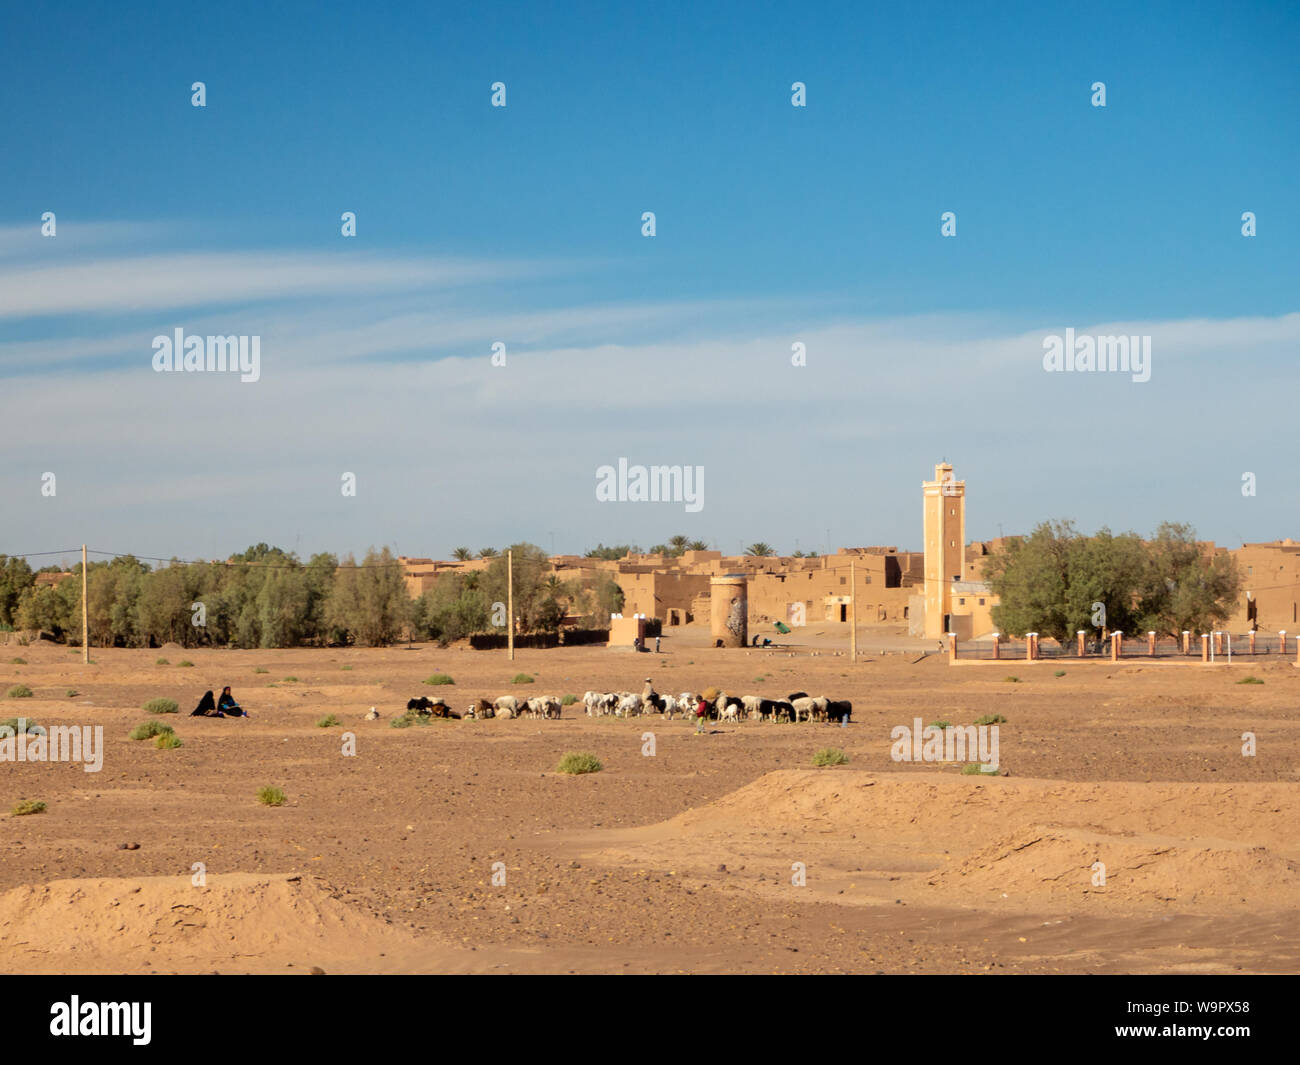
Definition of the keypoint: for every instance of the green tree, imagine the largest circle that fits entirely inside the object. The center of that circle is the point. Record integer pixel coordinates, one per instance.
(1184, 587)
(15, 578)
(462, 554)
(760, 550)
(1030, 576)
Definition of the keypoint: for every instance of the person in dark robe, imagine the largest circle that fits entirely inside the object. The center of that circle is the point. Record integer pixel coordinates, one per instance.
(207, 707)
(226, 705)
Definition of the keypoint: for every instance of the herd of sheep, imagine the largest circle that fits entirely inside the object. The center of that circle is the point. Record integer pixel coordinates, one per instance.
(719, 706)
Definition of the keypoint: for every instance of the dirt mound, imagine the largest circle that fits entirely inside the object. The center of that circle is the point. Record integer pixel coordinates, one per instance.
(1059, 864)
(243, 921)
(964, 841)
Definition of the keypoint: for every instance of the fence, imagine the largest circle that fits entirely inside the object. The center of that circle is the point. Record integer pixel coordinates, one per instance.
(1215, 646)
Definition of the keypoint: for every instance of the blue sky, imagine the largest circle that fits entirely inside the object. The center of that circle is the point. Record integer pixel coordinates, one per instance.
(775, 224)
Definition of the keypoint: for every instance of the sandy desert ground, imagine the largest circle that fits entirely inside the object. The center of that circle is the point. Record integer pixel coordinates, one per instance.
(680, 862)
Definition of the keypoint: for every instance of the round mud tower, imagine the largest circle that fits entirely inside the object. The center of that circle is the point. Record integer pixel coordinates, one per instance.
(729, 610)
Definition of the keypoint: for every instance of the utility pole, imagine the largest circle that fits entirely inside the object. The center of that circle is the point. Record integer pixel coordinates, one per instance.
(853, 610)
(510, 602)
(85, 612)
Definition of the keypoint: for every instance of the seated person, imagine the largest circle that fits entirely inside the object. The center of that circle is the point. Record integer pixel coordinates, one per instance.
(206, 708)
(227, 707)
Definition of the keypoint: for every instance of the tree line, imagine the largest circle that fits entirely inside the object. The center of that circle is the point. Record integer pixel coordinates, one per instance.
(267, 597)
(1056, 581)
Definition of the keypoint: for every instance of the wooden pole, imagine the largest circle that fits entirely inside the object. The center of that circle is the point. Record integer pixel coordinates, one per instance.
(853, 611)
(510, 603)
(85, 612)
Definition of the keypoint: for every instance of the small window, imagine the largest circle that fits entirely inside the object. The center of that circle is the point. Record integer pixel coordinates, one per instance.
(981, 602)
(843, 580)
(962, 602)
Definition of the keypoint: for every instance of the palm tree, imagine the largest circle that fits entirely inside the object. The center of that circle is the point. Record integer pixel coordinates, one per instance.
(462, 554)
(678, 544)
(760, 550)
(697, 545)
(488, 552)
(661, 549)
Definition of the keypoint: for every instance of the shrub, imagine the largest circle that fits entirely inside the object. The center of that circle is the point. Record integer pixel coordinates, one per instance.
(521, 678)
(1059, 673)
(439, 678)
(167, 741)
(971, 769)
(568, 700)
(1012, 680)
(328, 721)
(939, 724)
(28, 806)
(577, 762)
(148, 730)
(259, 669)
(72, 693)
(18, 661)
(345, 668)
(291, 680)
(11, 723)
(1250, 680)
(161, 706)
(162, 662)
(269, 796)
(411, 717)
(185, 663)
(991, 719)
(20, 691)
(830, 756)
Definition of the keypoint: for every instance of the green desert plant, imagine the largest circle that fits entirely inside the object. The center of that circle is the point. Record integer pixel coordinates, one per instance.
(830, 756)
(162, 662)
(11, 723)
(28, 806)
(166, 741)
(568, 700)
(269, 796)
(19, 691)
(1059, 673)
(577, 762)
(291, 680)
(18, 661)
(991, 719)
(439, 678)
(328, 721)
(1250, 680)
(259, 669)
(185, 663)
(971, 769)
(1012, 680)
(521, 678)
(161, 706)
(72, 693)
(149, 729)
(939, 724)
